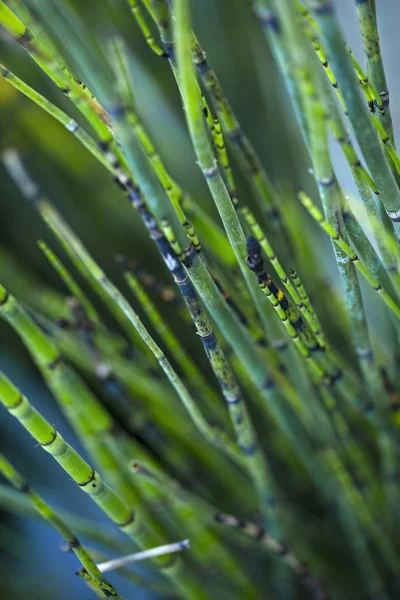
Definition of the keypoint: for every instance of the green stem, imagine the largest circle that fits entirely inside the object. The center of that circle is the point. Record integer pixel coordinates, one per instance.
(358, 112)
(97, 579)
(84, 475)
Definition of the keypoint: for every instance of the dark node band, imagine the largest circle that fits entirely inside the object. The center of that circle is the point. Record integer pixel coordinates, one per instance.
(18, 402)
(54, 436)
(25, 488)
(127, 522)
(91, 478)
(5, 299)
(54, 364)
(74, 543)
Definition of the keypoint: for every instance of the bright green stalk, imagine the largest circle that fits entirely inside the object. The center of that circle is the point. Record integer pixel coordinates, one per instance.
(376, 71)
(141, 21)
(358, 113)
(91, 422)
(52, 442)
(32, 24)
(86, 477)
(97, 579)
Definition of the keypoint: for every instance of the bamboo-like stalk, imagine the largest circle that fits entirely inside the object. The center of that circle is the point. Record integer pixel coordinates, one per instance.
(380, 170)
(375, 68)
(338, 239)
(85, 476)
(97, 579)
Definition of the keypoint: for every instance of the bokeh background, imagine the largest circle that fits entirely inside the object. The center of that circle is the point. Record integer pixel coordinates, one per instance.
(31, 565)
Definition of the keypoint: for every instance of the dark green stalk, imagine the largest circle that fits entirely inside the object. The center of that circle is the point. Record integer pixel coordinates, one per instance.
(376, 72)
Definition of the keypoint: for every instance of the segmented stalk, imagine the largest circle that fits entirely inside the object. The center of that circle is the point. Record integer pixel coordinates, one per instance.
(376, 72)
(263, 538)
(305, 310)
(339, 241)
(84, 475)
(341, 64)
(141, 21)
(293, 322)
(174, 193)
(97, 578)
(363, 80)
(57, 71)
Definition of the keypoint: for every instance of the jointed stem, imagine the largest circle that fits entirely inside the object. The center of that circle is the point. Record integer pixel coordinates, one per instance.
(97, 579)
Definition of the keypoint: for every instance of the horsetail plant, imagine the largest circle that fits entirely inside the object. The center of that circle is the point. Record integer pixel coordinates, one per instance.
(233, 379)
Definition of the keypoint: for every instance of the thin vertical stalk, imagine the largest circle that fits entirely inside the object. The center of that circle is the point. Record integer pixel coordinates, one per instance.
(358, 113)
(376, 72)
